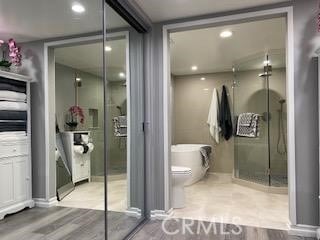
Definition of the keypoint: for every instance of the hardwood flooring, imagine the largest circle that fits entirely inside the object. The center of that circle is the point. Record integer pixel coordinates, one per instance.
(60, 223)
(173, 230)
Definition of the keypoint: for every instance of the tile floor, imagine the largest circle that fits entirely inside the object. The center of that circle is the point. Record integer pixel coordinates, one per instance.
(217, 199)
(91, 196)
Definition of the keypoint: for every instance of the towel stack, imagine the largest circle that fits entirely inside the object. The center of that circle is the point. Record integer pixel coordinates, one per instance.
(247, 125)
(13, 108)
(120, 126)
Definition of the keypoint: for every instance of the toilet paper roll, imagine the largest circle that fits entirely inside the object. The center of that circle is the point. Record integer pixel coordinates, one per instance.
(78, 149)
(91, 147)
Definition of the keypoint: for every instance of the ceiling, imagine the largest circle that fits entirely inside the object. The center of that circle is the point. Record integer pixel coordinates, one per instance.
(246, 48)
(163, 10)
(88, 58)
(30, 20)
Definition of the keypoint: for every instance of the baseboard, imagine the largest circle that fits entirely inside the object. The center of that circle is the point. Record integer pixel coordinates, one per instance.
(16, 208)
(160, 214)
(114, 177)
(133, 212)
(43, 203)
(220, 173)
(97, 178)
(303, 230)
(260, 187)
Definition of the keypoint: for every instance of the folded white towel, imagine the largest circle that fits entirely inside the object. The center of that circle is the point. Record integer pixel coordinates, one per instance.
(12, 96)
(20, 133)
(13, 106)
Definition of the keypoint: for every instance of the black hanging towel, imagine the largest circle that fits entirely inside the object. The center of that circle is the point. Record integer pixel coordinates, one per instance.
(225, 120)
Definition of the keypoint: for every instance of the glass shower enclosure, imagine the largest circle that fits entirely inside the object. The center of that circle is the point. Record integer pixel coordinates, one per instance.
(259, 87)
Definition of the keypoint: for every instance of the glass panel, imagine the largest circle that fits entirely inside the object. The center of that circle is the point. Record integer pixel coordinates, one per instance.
(250, 96)
(62, 51)
(278, 119)
(124, 119)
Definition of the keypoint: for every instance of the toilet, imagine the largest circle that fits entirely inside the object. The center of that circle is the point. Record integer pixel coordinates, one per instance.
(179, 176)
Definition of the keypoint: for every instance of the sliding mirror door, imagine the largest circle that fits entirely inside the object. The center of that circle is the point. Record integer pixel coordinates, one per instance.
(124, 116)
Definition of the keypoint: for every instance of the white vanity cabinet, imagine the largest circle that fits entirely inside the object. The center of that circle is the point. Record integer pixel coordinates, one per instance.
(15, 163)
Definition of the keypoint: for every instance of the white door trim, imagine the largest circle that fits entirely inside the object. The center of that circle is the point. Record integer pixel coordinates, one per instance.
(250, 16)
(66, 42)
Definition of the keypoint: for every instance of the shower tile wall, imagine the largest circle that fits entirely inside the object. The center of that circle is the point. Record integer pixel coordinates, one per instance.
(117, 96)
(190, 111)
(90, 97)
(191, 107)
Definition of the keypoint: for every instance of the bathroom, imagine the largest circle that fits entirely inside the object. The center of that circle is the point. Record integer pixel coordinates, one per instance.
(81, 84)
(247, 164)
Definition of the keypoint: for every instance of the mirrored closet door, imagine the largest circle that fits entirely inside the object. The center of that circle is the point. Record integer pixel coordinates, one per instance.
(124, 116)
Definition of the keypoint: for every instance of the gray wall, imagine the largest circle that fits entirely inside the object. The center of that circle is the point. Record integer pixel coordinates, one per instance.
(191, 108)
(33, 66)
(306, 41)
(154, 119)
(305, 33)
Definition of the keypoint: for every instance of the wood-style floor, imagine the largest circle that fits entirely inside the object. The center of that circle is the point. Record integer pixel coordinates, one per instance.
(194, 230)
(59, 223)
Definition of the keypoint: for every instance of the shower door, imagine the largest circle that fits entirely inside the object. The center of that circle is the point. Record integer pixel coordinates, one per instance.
(251, 96)
(260, 88)
(278, 120)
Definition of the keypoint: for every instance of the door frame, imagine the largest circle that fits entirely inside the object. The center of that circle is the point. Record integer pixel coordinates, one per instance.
(286, 12)
(50, 110)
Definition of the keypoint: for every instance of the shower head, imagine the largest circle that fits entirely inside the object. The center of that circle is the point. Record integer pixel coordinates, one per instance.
(282, 101)
(265, 74)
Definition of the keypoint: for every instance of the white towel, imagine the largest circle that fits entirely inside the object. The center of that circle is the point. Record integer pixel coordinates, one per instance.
(12, 96)
(10, 134)
(13, 106)
(213, 117)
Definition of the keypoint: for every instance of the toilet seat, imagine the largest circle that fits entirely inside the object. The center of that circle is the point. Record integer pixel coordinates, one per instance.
(176, 170)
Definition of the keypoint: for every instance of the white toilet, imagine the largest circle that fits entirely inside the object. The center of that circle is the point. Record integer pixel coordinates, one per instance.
(179, 176)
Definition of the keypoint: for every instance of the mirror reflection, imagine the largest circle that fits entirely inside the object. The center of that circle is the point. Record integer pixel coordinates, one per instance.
(84, 114)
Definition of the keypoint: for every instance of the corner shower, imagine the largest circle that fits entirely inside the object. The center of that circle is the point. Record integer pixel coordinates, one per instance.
(259, 86)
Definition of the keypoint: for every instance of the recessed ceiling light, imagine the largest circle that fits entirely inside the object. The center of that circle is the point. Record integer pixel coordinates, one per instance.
(194, 68)
(108, 48)
(226, 34)
(78, 8)
(206, 89)
(202, 79)
(122, 75)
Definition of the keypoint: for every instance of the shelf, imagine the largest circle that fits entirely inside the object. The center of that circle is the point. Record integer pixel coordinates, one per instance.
(15, 76)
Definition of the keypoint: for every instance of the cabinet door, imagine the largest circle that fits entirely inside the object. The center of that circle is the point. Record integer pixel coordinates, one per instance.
(20, 178)
(6, 182)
